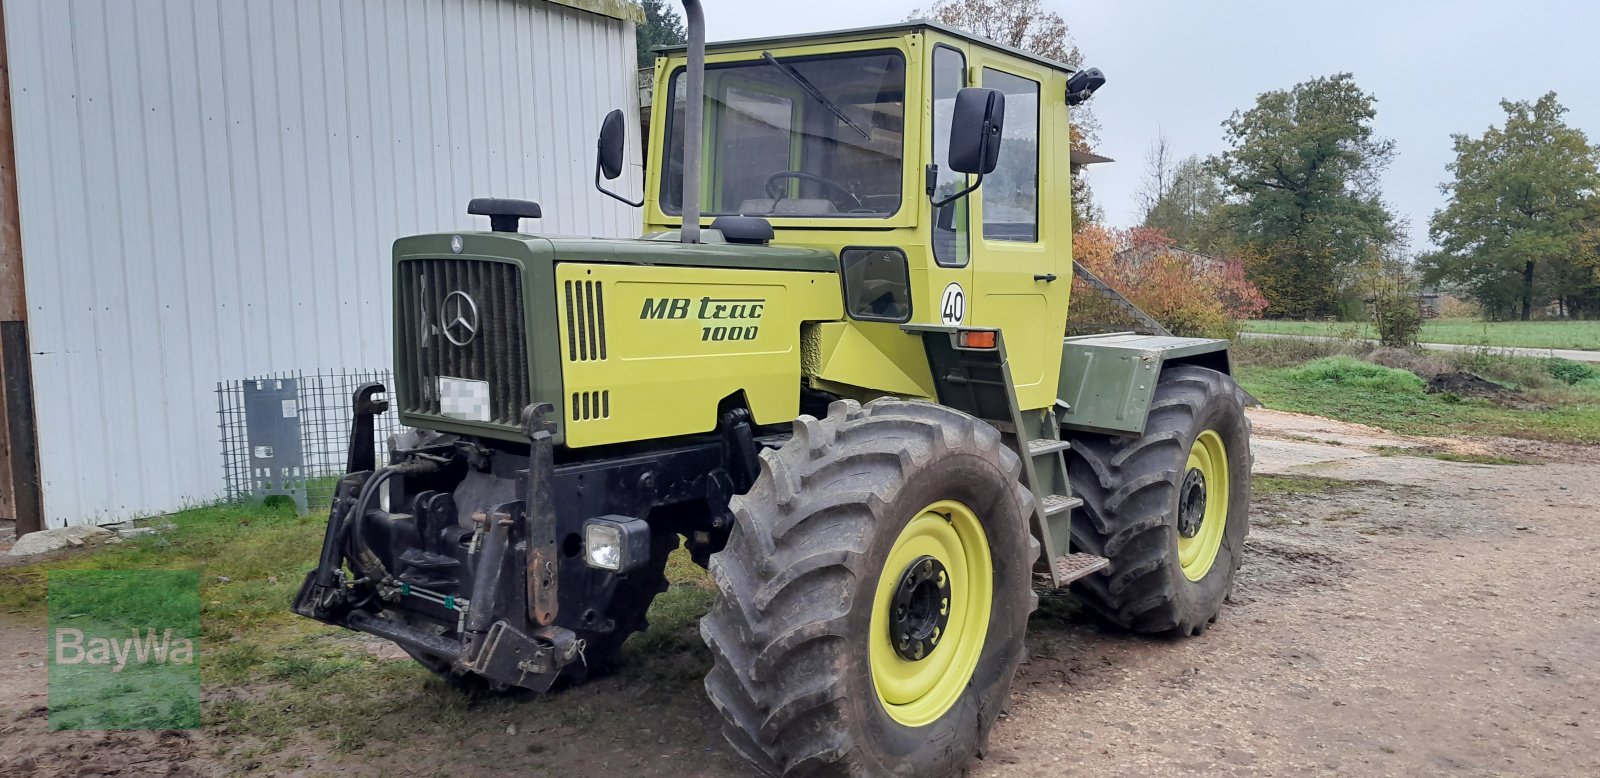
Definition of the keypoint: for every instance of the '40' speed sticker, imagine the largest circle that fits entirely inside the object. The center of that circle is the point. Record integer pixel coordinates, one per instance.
(953, 305)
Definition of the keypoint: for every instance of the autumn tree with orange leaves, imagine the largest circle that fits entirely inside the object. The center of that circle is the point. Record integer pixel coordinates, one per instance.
(1191, 295)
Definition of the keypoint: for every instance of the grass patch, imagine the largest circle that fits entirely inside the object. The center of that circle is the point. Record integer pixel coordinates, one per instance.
(1356, 374)
(1447, 456)
(250, 557)
(251, 560)
(1584, 335)
(1572, 373)
(670, 649)
(274, 678)
(1296, 485)
(1546, 381)
(1288, 352)
(1348, 389)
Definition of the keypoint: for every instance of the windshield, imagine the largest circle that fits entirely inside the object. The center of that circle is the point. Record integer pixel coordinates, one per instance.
(796, 136)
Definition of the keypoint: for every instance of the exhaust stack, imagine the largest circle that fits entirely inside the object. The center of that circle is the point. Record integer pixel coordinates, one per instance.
(693, 113)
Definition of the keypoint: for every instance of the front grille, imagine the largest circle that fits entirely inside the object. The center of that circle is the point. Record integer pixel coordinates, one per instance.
(496, 352)
(586, 321)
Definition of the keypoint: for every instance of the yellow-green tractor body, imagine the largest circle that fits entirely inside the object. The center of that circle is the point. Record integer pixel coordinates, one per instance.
(844, 387)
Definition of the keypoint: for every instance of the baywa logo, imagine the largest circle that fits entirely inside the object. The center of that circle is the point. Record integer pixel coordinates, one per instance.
(721, 318)
(74, 647)
(124, 649)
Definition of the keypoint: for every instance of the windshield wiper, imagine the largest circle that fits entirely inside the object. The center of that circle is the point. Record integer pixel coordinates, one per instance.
(816, 94)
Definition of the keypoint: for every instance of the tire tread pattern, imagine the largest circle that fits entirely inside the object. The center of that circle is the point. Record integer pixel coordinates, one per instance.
(1129, 488)
(778, 632)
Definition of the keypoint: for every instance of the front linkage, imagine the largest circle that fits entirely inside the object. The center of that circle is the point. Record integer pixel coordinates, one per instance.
(520, 592)
(493, 636)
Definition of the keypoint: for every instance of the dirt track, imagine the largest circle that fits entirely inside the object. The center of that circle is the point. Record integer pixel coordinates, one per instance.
(1437, 618)
(1415, 617)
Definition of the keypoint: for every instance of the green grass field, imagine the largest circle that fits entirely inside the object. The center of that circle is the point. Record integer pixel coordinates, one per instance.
(1345, 388)
(1583, 335)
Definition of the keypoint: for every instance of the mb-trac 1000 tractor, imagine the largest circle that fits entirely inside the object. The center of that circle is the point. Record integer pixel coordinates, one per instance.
(848, 396)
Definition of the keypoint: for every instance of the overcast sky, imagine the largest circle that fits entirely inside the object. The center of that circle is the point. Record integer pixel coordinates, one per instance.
(1180, 68)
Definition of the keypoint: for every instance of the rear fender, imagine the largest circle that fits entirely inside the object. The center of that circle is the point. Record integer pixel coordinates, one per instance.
(1108, 381)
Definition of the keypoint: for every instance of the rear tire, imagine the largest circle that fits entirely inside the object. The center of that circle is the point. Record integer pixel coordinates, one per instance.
(1170, 569)
(806, 674)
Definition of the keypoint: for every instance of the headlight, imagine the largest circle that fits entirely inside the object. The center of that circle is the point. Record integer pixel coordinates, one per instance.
(383, 495)
(616, 543)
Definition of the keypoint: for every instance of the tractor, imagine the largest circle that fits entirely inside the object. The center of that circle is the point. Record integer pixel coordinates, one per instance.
(833, 370)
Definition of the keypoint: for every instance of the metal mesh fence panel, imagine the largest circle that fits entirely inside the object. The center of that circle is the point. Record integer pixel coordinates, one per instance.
(237, 482)
(323, 407)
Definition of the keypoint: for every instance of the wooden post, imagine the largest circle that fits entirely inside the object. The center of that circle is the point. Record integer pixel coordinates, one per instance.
(21, 497)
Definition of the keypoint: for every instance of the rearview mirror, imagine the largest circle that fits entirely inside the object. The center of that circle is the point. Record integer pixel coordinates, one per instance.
(612, 138)
(608, 155)
(975, 128)
(1083, 84)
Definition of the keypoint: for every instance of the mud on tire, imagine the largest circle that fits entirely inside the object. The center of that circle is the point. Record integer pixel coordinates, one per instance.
(1130, 488)
(789, 634)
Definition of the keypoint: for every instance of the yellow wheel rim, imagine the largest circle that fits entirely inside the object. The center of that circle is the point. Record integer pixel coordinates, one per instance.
(916, 692)
(1203, 505)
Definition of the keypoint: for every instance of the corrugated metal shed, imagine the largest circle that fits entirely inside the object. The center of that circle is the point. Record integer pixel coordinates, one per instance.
(209, 189)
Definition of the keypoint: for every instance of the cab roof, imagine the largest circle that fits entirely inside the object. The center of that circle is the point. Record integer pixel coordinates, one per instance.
(876, 31)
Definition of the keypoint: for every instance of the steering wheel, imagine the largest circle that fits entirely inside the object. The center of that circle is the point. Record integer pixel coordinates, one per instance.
(776, 191)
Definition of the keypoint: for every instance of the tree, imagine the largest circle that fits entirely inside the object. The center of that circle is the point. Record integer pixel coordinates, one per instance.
(1187, 207)
(1023, 24)
(1026, 25)
(1388, 287)
(1301, 174)
(1159, 161)
(1522, 204)
(1180, 197)
(662, 27)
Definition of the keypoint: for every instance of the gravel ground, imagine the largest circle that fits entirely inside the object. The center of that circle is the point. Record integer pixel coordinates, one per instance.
(1431, 618)
(1414, 617)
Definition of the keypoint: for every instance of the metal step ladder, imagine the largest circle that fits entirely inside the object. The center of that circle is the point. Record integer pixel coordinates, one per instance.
(977, 381)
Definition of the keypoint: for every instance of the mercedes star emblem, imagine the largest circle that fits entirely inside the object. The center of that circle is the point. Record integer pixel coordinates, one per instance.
(458, 317)
(455, 244)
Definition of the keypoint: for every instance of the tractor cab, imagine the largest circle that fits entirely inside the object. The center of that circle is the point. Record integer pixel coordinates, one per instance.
(843, 141)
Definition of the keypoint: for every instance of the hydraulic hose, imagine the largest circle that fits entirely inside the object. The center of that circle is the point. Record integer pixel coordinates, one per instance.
(362, 559)
(350, 530)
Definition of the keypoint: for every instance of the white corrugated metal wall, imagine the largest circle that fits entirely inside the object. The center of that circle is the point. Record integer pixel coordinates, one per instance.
(209, 189)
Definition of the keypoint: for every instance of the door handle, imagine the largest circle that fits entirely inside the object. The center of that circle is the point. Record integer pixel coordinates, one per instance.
(1046, 277)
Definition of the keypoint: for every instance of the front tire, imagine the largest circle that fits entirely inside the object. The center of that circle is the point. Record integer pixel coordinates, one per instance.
(1170, 508)
(873, 595)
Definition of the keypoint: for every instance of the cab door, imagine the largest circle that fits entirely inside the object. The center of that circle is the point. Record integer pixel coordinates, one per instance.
(1021, 226)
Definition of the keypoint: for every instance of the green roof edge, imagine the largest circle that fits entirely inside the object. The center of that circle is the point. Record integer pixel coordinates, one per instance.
(616, 9)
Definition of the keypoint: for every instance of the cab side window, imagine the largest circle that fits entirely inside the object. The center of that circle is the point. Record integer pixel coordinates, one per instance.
(1011, 192)
(949, 221)
(877, 286)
